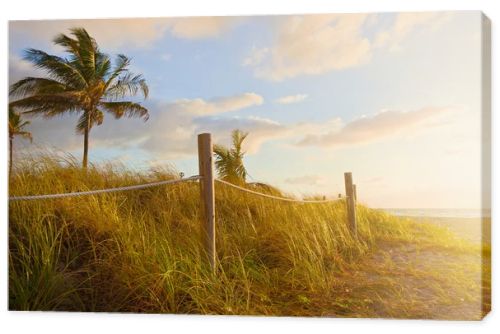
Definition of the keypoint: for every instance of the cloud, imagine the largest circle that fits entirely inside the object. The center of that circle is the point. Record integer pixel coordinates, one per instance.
(171, 132)
(370, 128)
(201, 27)
(317, 44)
(313, 44)
(405, 24)
(216, 106)
(176, 124)
(135, 32)
(313, 180)
(260, 130)
(109, 33)
(172, 129)
(255, 57)
(291, 99)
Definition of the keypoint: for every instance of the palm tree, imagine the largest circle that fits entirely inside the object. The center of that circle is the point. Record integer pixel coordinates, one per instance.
(85, 83)
(229, 161)
(16, 128)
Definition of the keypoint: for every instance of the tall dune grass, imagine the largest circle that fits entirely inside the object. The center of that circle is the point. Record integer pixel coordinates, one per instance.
(140, 251)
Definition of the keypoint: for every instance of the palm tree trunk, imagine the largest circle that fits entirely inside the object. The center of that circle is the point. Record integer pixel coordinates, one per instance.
(10, 153)
(86, 143)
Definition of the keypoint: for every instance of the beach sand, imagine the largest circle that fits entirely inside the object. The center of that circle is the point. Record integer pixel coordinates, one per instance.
(427, 283)
(473, 229)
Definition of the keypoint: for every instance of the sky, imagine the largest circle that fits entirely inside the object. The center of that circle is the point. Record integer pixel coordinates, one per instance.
(393, 98)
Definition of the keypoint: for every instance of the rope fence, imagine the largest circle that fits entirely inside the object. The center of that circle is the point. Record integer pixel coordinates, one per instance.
(156, 184)
(275, 197)
(102, 191)
(207, 195)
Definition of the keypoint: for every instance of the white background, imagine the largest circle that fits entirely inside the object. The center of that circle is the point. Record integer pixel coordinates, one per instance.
(50, 322)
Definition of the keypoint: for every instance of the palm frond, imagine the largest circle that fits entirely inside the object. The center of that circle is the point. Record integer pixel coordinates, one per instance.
(69, 44)
(222, 161)
(17, 125)
(127, 84)
(229, 161)
(238, 137)
(82, 123)
(49, 105)
(88, 52)
(57, 68)
(103, 66)
(125, 108)
(121, 64)
(35, 86)
(25, 134)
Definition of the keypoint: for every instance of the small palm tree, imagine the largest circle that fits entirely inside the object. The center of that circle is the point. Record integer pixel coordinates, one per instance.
(85, 83)
(229, 161)
(16, 128)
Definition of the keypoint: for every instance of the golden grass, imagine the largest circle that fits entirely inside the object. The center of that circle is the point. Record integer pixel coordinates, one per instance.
(140, 251)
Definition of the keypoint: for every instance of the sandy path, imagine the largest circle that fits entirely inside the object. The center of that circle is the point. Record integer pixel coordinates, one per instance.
(403, 281)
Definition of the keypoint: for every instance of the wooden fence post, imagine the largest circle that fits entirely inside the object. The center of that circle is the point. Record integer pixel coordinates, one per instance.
(354, 193)
(350, 203)
(205, 159)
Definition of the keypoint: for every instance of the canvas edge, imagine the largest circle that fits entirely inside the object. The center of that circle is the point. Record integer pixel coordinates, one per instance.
(486, 164)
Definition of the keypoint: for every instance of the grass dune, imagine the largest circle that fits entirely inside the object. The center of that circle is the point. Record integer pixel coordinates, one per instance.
(140, 251)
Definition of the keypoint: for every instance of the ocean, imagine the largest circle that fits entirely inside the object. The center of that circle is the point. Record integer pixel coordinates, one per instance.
(439, 213)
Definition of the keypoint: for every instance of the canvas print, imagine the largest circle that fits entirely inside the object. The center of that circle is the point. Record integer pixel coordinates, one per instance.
(326, 165)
